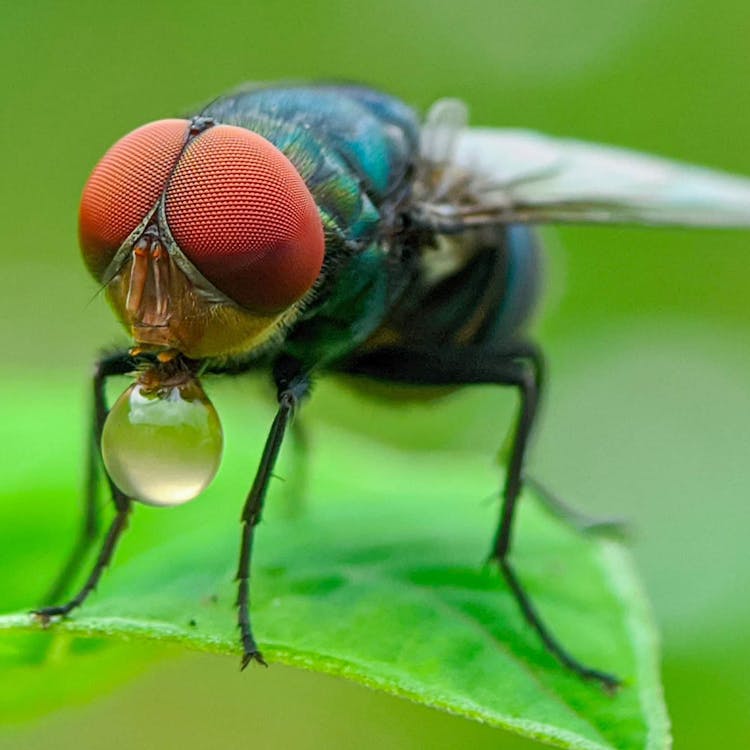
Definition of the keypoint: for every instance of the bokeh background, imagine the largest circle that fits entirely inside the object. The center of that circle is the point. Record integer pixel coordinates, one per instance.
(648, 413)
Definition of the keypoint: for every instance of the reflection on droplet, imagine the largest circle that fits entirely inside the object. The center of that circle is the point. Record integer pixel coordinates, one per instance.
(162, 447)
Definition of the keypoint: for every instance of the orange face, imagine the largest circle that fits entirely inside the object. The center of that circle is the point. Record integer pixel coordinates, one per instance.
(206, 237)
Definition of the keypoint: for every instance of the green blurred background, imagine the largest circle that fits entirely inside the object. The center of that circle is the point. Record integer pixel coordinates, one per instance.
(648, 413)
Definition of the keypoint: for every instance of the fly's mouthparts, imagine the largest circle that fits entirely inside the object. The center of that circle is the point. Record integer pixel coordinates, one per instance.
(173, 372)
(162, 355)
(148, 299)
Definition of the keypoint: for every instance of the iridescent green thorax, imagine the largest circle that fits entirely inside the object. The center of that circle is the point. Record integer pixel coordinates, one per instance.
(353, 146)
(355, 149)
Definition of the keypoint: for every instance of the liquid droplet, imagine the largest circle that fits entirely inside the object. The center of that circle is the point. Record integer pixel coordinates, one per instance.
(162, 446)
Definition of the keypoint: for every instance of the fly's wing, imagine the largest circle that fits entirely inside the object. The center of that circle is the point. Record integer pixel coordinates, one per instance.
(473, 177)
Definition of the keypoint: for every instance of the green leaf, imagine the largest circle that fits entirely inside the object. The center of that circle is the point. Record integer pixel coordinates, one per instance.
(378, 578)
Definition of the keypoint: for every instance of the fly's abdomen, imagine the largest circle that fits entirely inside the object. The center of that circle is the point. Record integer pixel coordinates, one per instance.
(516, 296)
(474, 288)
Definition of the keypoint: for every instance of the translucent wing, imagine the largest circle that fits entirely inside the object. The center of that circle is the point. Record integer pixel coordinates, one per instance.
(479, 176)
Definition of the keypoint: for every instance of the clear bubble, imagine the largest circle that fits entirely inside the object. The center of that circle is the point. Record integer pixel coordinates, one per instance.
(162, 446)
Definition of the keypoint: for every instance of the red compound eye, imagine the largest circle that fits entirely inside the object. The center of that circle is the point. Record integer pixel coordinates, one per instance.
(241, 213)
(124, 187)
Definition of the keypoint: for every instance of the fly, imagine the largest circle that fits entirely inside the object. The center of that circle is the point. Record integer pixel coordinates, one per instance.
(306, 229)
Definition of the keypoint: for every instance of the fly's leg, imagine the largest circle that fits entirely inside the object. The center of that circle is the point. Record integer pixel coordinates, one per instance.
(583, 522)
(116, 364)
(516, 366)
(119, 524)
(586, 524)
(119, 363)
(89, 529)
(291, 390)
(520, 376)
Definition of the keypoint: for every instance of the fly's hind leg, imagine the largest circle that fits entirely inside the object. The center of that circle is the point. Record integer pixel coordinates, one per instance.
(119, 363)
(516, 366)
(526, 351)
(615, 527)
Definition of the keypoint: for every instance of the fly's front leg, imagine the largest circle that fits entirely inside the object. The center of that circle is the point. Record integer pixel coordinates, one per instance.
(89, 528)
(119, 363)
(291, 390)
(517, 365)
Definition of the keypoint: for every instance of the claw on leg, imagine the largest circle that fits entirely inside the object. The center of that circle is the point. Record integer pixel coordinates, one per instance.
(249, 656)
(609, 682)
(43, 617)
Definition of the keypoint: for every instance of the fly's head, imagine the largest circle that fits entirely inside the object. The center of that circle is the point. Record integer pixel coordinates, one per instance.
(205, 236)
(207, 241)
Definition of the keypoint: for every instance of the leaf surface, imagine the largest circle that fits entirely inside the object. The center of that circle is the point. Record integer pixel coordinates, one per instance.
(377, 576)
